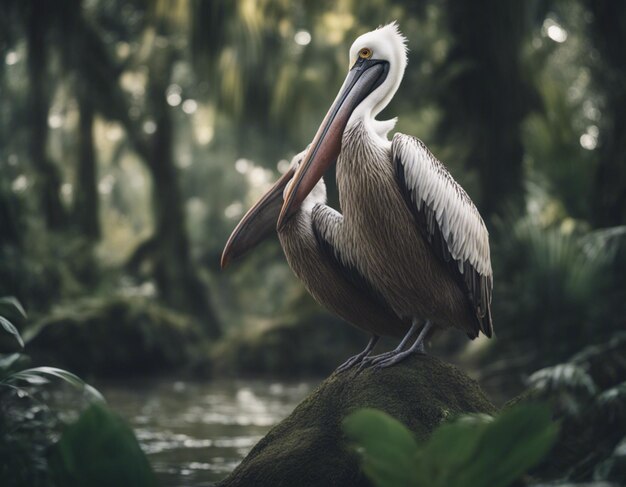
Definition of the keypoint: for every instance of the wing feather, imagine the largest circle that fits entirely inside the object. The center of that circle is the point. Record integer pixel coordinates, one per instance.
(448, 220)
(326, 224)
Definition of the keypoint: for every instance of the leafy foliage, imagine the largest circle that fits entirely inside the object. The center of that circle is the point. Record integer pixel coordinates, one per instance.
(10, 304)
(587, 396)
(569, 382)
(41, 375)
(10, 329)
(27, 425)
(471, 450)
(27, 430)
(36, 376)
(99, 450)
(387, 447)
(557, 286)
(10, 309)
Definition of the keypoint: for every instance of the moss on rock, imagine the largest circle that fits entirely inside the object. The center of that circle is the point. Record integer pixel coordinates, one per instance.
(117, 336)
(308, 448)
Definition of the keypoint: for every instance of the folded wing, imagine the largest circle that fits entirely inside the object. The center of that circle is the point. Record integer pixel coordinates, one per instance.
(448, 220)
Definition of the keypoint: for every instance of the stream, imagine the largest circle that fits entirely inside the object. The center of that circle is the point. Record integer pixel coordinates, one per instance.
(195, 433)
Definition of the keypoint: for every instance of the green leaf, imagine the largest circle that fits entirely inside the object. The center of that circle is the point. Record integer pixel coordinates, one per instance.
(450, 448)
(99, 450)
(388, 448)
(473, 450)
(39, 375)
(8, 361)
(499, 452)
(12, 303)
(9, 328)
(516, 441)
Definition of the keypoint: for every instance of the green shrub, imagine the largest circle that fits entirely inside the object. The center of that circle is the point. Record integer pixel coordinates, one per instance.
(473, 450)
(99, 449)
(556, 288)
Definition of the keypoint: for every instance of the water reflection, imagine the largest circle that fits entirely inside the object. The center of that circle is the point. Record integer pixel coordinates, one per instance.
(196, 433)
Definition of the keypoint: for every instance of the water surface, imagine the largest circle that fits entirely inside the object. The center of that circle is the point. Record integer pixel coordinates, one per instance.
(196, 433)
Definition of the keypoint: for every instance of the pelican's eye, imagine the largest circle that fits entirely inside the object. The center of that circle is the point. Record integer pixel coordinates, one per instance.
(365, 53)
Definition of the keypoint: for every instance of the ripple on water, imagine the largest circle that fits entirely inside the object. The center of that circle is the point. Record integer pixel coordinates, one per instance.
(197, 433)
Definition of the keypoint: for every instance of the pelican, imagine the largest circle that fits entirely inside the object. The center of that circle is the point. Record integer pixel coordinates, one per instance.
(333, 284)
(409, 227)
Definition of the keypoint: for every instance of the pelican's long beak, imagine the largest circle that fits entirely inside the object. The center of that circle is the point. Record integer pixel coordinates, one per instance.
(363, 78)
(258, 223)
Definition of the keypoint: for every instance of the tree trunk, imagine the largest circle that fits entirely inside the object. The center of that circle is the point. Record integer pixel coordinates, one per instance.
(176, 278)
(86, 203)
(168, 249)
(47, 179)
(608, 34)
(10, 234)
(487, 97)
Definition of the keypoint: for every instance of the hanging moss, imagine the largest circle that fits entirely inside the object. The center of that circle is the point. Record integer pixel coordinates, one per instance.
(308, 449)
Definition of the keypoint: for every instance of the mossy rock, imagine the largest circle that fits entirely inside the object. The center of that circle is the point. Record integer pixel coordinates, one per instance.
(309, 449)
(315, 345)
(115, 337)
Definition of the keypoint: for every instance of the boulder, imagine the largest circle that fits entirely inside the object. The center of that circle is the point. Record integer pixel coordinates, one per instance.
(118, 336)
(308, 447)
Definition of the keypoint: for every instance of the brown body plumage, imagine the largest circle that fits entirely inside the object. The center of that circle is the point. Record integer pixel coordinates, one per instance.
(335, 285)
(331, 285)
(391, 251)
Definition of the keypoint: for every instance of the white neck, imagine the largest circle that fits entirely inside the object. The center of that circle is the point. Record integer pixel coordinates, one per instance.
(376, 102)
(366, 112)
(388, 44)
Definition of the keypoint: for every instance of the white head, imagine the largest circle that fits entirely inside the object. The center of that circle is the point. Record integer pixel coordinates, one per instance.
(377, 64)
(387, 44)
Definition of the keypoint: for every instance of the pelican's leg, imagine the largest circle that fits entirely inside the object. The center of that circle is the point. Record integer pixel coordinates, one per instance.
(417, 347)
(377, 358)
(352, 361)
